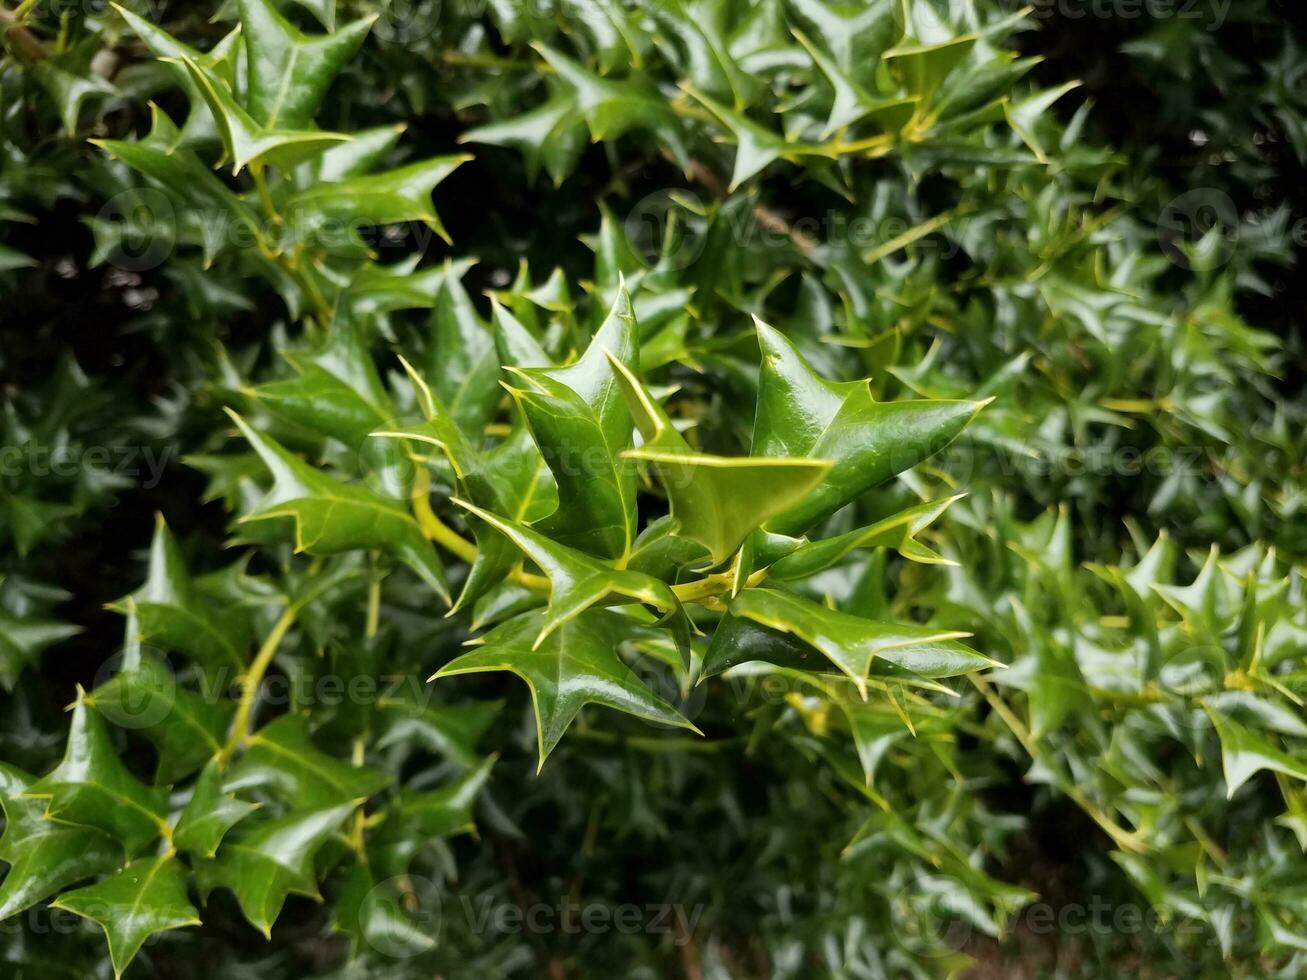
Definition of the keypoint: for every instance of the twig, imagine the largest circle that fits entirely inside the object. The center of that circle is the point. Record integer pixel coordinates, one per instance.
(26, 45)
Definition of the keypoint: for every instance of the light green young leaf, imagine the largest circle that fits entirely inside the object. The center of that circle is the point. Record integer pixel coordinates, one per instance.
(717, 501)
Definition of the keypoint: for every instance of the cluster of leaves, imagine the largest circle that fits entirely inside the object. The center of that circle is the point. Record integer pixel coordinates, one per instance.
(698, 478)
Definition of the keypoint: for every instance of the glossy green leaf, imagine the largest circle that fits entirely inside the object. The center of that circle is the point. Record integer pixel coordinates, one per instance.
(281, 761)
(145, 898)
(289, 72)
(855, 646)
(898, 532)
(211, 812)
(331, 516)
(265, 864)
(577, 581)
(581, 423)
(717, 501)
(171, 614)
(44, 856)
(800, 414)
(577, 664)
(92, 786)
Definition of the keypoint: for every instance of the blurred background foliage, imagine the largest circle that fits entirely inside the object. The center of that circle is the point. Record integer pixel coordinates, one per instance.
(1117, 263)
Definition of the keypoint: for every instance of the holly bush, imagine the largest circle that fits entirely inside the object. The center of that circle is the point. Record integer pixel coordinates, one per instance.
(881, 475)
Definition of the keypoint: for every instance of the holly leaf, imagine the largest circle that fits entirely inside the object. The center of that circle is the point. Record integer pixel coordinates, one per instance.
(577, 664)
(290, 72)
(800, 414)
(23, 639)
(613, 108)
(463, 365)
(186, 728)
(170, 613)
(281, 760)
(336, 391)
(552, 135)
(318, 212)
(211, 812)
(1244, 753)
(851, 644)
(247, 142)
(580, 421)
(717, 501)
(272, 861)
(331, 517)
(92, 786)
(577, 581)
(145, 898)
(44, 856)
(899, 532)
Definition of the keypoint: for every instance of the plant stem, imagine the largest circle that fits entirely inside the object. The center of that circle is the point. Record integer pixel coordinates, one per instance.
(240, 726)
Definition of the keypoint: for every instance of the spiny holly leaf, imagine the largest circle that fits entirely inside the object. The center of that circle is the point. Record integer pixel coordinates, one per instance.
(211, 812)
(289, 73)
(717, 501)
(186, 728)
(1206, 602)
(44, 856)
(1244, 753)
(857, 647)
(755, 145)
(578, 664)
(463, 365)
(70, 91)
(898, 532)
(448, 730)
(577, 581)
(856, 34)
(801, 414)
(579, 419)
(22, 640)
(613, 108)
(199, 126)
(853, 103)
(436, 814)
(337, 390)
(92, 786)
(331, 516)
(170, 613)
(247, 142)
(145, 898)
(1058, 689)
(390, 197)
(552, 135)
(281, 761)
(267, 863)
